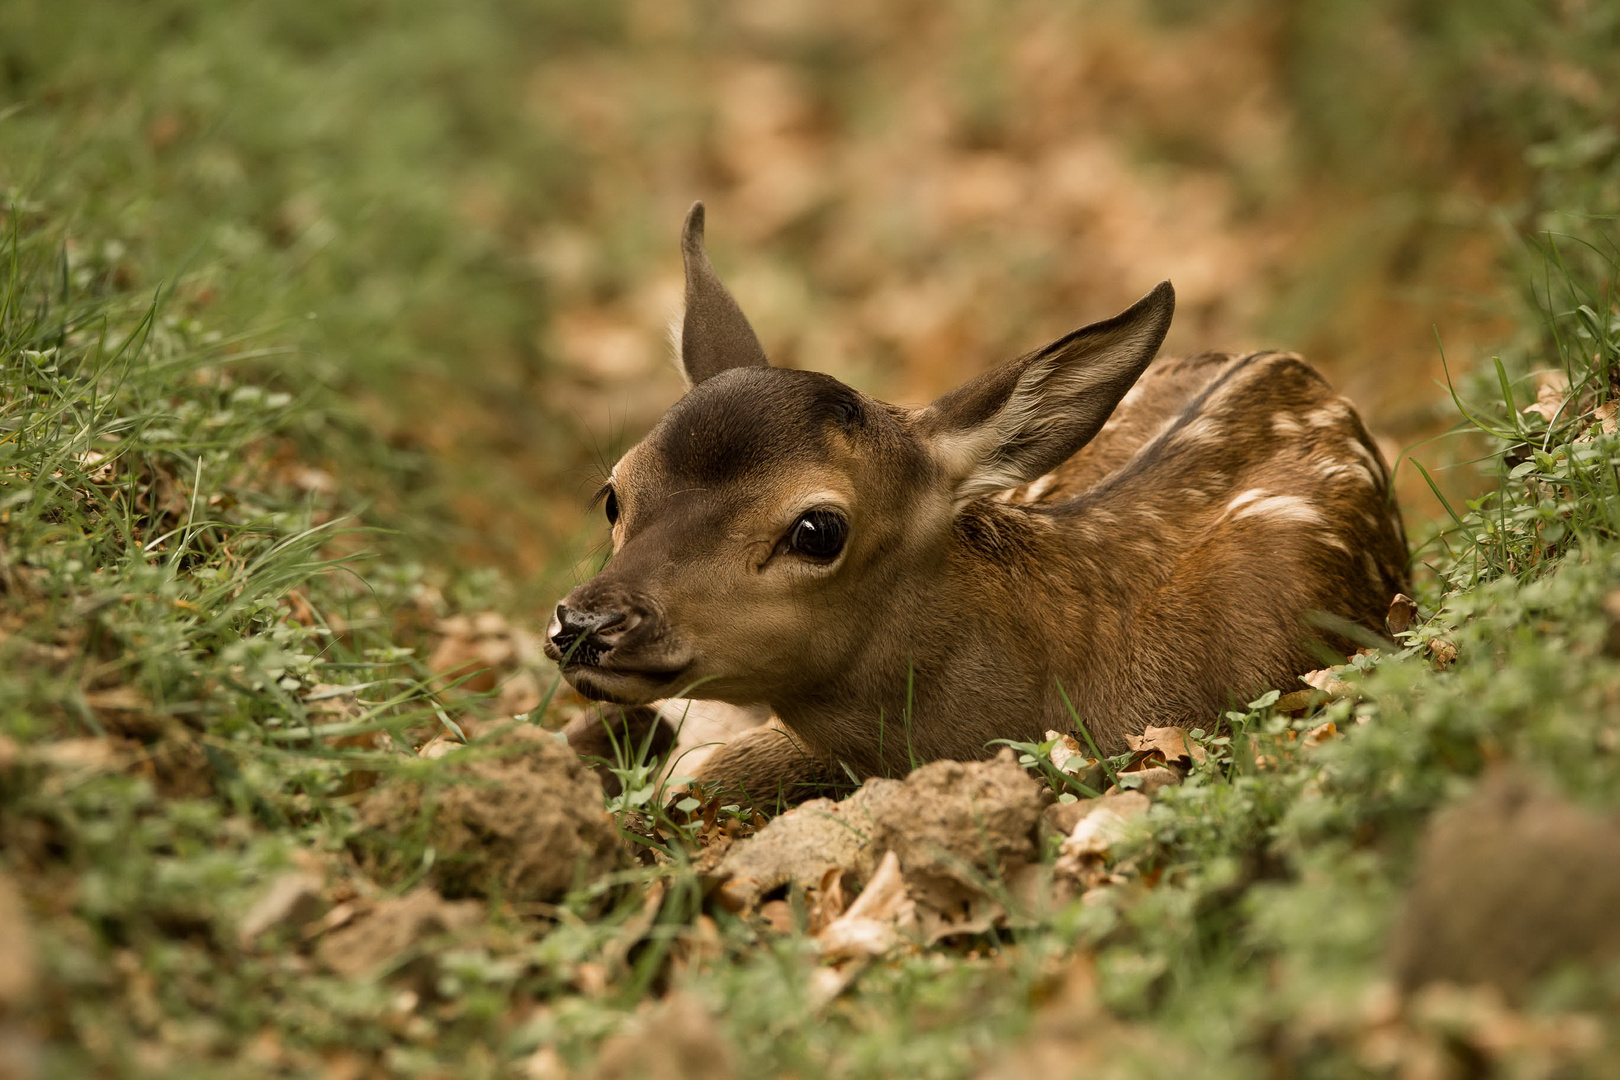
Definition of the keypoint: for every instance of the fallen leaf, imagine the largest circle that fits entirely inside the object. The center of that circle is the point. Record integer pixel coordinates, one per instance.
(1552, 391)
(1442, 652)
(1320, 734)
(1402, 614)
(1066, 755)
(1611, 612)
(1327, 681)
(75, 755)
(17, 974)
(393, 926)
(675, 1039)
(1105, 824)
(826, 901)
(875, 921)
(545, 1064)
(293, 900)
(441, 744)
(1171, 744)
(1149, 781)
(1605, 415)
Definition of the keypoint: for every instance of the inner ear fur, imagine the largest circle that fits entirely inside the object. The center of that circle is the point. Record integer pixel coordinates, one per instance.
(1025, 418)
(715, 334)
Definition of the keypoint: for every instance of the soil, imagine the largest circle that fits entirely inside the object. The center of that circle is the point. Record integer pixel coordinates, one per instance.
(523, 819)
(961, 830)
(1513, 883)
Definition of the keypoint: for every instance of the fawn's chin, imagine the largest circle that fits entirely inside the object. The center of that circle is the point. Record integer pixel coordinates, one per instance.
(619, 687)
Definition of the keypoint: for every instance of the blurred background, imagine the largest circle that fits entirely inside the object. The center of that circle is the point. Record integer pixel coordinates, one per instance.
(460, 216)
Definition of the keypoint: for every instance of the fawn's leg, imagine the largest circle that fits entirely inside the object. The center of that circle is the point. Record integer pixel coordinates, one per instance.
(768, 770)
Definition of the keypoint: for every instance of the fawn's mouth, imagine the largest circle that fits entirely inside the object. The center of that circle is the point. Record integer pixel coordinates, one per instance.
(620, 684)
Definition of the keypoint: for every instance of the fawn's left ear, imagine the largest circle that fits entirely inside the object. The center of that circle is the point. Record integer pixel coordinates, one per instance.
(715, 334)
(1025, 418)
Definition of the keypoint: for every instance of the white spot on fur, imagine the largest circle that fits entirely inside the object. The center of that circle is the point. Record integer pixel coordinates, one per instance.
(1256, 503)
(1365, 453)
(1244, 499)
(1334, 470)
(1286, 427)
(1324, 419)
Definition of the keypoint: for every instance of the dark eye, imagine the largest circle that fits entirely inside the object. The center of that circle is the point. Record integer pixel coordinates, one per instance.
(819, 534)
(611, 505)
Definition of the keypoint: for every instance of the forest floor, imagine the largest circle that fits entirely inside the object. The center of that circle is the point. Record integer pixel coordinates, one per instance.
(314, 328)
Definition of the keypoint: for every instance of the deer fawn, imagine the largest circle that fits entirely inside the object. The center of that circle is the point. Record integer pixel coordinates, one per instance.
(1154, 541)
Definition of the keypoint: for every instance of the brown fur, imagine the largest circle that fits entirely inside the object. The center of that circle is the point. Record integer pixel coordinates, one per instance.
(1229, 524)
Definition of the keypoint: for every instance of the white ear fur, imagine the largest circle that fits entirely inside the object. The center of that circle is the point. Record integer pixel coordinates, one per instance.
(672, 332)
(990, 437)
(1041, 406)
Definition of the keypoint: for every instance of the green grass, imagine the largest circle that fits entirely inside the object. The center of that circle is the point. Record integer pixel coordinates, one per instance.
(208, 650)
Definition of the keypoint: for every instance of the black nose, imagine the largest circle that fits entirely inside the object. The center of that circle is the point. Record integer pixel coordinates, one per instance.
(570, 626)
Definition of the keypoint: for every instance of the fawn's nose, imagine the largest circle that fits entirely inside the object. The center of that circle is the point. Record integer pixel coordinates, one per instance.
(572, 629)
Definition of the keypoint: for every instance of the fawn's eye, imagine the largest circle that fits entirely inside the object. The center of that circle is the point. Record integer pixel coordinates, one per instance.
(610, 505)
(819, 534)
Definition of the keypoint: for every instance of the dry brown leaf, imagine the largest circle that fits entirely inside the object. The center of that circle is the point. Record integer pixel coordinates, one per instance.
(443, 743)
(1149, 781)
(875, 922)
(393, 926)
(1442, 652)
(826, 901)
(293, 900)
(1104, 824)
(1320, 734)
(17, 973)
(1552, 391)
(545, 1064)
(1605, 415)
(1611, 612)
(1327, 681)
(1402, 614)
(675, 1039)
(1066, 755)
(1171, 744)
(81, 755)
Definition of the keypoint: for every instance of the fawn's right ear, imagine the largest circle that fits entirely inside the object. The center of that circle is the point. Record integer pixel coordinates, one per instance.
(715, 334)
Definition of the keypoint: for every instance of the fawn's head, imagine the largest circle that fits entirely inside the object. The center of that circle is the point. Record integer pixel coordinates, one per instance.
(770, 511)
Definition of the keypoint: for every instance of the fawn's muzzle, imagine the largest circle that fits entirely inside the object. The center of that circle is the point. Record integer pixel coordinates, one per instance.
(583, 636)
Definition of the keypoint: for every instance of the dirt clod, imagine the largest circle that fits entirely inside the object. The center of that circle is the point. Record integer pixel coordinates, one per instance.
(958, 825)
(522, 818)
(958, 829)
(1512, 883)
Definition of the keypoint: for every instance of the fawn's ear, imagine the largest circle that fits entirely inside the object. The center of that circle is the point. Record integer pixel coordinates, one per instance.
(1025, 418)
(715, 334)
